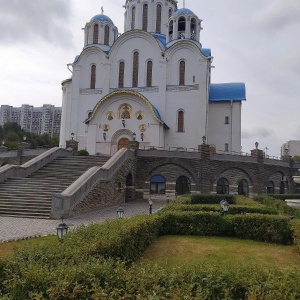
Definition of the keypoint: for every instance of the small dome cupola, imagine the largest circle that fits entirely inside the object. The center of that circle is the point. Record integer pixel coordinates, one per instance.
(100, 30)
(184, 24)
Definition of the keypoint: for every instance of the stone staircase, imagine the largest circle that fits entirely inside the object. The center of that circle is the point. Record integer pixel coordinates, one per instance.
(31, 197)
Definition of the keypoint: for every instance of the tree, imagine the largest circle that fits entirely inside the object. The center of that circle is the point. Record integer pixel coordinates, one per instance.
(296, 158)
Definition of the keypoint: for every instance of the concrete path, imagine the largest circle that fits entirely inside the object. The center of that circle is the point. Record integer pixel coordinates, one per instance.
(20, 228)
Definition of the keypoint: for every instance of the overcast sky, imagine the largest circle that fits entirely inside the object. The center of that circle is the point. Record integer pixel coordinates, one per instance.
(256, 42)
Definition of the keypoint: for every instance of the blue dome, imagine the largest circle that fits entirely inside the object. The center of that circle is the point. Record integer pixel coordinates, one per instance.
(183, 11)
(102, 18)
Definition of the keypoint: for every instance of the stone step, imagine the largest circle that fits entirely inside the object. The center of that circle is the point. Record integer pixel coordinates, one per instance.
(22, 214)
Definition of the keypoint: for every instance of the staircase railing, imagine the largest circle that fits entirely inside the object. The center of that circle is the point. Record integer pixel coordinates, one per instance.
(32, 165)
(62, 204)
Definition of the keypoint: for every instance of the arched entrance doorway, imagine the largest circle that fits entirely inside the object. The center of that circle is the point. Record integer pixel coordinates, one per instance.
(183, 185)
(243, 188)
(270, 187)
(123, 143)
(222, 186)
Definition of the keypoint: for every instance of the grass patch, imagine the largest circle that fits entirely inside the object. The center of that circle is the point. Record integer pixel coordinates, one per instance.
(177, 251)
(8, 248)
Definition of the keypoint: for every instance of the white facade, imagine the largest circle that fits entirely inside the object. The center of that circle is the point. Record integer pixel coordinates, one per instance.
(290, 148)
(152, 82)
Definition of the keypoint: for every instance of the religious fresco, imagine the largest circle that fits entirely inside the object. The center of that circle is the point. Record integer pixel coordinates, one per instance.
(139, 115)
(125, 111)
(110, 115)
(105, 127)
(143, 128)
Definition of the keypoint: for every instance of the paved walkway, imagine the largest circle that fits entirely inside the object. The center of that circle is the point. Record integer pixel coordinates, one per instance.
(20, 228)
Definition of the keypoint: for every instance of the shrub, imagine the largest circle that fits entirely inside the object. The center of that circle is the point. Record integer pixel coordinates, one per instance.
(194, 223)
(211, 199)
(281, 206)
(295, 225)
(284, 196)
(83, 152)
(273, 229)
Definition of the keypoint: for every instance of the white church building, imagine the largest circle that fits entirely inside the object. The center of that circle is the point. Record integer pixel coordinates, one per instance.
(152, 83)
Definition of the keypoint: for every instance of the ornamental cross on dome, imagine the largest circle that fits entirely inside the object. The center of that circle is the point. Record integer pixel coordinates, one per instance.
(102, 10)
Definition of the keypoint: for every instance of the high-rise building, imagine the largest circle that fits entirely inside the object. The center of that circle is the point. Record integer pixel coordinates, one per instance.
(290, 148)
(39, 120)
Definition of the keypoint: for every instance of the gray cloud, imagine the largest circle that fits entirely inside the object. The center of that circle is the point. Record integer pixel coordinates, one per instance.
(258, 132)
(24, 21)
(278, 14)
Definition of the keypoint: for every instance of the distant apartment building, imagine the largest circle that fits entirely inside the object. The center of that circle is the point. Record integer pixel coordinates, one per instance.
(290, 148)
(39, 120)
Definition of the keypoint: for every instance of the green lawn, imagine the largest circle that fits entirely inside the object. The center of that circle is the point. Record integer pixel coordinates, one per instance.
(172, 251)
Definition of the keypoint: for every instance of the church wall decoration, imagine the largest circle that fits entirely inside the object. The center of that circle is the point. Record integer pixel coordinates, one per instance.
(125, 111)
(106, 127)
(139, 115)
(110, 115)
(143, 128)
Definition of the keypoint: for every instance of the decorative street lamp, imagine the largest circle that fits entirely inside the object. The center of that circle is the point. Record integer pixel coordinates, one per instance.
(204, 139)
(123, 123)
(224, 207)
(62, 230)
(120, 212)
(256, 145)
(24, 138)
(72, 135)
(150, 206)
(134, 136)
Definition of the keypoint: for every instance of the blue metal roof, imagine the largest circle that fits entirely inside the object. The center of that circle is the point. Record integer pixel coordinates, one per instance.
(161, 38)
(227, 92)
(183, 11)
(102, 18)
(206, 51)
(76, 59)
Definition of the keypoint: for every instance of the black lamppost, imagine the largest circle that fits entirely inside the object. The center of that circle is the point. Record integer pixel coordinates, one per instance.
(72, 135)
(204, 139)
(150, 206)
(224, 207)
(120, 212)
(134, 136)
(62, 230)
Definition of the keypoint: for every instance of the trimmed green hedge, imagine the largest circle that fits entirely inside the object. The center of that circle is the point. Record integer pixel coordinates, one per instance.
(272, 229)
(279, 205)
(233, 209)
(284, 196)
(194, 223)
(211, 199)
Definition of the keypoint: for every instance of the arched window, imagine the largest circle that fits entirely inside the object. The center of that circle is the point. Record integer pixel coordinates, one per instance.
(135, 73)
(106, 35)
(171, 30)
(182, 72)
(133, 17)
(170, 12)
(181, 27)
(149, 73)
(180, 121)
(158, 18)
(121, 74)
(93, 77)
(157, 185)
(226, 120)
(145, 17)
(183, 185)
(243, 188)
(193, 29)
(96, 34)
(270, 188)
(222, 186)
